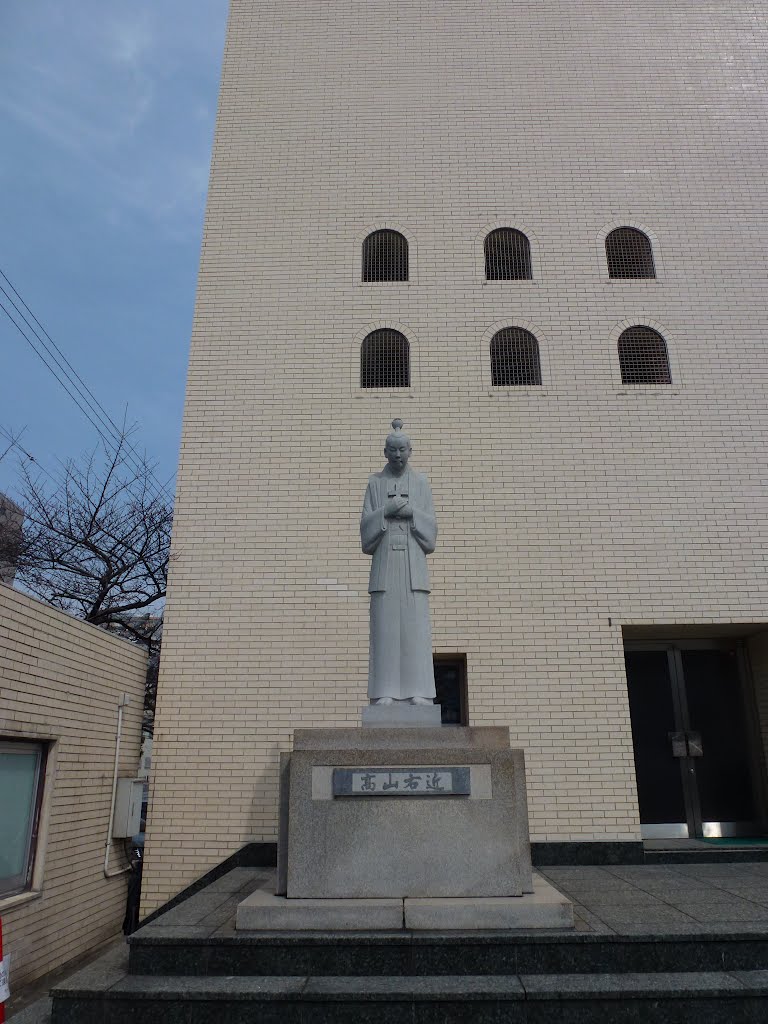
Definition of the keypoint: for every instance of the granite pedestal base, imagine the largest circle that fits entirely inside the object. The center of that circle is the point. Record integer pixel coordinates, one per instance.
(394, 838)
(401, 715)
(545, 907)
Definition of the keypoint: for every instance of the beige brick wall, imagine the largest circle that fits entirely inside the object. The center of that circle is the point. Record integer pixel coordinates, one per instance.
(564, 510)
(60, 682)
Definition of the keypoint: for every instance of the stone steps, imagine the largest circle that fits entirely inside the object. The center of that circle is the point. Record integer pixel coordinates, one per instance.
(719, 997)
(191, 965)
(398, 954)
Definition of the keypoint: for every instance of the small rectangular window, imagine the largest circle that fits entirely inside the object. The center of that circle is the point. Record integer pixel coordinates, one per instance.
(451, 686)
(22, 769)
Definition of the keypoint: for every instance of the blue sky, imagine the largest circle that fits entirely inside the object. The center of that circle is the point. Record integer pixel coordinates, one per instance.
(106, 120)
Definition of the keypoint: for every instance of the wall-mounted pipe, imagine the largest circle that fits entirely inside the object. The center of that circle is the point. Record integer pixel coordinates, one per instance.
(124, 701)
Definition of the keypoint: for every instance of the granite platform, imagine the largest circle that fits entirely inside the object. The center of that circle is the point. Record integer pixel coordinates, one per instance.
(681, 943)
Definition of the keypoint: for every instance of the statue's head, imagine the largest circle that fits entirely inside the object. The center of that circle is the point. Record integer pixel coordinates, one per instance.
(397, 447)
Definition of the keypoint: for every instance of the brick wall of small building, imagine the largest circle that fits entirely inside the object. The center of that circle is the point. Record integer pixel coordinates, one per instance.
(60, 683)
(566, 510)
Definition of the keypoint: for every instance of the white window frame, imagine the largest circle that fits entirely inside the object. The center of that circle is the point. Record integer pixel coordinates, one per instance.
(22, 882)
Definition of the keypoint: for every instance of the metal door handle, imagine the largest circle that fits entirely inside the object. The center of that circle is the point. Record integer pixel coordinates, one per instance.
(679, 745)
(695, 748)
(686, 744)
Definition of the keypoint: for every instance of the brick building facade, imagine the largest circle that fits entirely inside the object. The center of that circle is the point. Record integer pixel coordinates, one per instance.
(62, 685)
(579, 516)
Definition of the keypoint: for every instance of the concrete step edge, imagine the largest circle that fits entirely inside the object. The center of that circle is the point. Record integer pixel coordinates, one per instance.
(173, 938)
(673, 986)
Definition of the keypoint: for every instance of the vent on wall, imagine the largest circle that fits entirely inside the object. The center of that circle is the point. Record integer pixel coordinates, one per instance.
(384, 360)
(643, 357)
(514, 358)
(507, 256)
(629, 254)
(385, 256)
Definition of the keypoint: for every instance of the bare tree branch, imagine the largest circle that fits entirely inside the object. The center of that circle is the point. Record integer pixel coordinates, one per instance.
(97, 546)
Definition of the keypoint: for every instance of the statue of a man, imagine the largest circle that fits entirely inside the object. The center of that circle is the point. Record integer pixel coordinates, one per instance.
(398, 528)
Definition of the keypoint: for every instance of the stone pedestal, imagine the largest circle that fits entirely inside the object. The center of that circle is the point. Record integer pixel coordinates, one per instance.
(401, 833)
(401, 716)
(543, 908)
(416, 828)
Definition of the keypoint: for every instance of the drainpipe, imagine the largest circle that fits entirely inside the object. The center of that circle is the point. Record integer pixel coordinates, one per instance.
(124, 701)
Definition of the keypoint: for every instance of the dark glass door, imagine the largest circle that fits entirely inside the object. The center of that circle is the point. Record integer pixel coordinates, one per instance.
(654, 718)
(691, 741)
(716, 713)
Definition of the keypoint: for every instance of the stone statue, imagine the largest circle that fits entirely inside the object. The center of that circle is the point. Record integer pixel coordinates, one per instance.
(398, 528)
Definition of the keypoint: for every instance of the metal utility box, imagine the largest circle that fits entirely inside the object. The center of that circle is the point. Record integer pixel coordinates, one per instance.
(128, 808)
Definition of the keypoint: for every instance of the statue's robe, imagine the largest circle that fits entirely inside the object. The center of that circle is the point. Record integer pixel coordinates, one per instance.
(400, 658)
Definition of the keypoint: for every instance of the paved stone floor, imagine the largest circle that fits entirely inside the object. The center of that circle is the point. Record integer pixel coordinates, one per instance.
(659, 899)
(629, 900)
(666, 898)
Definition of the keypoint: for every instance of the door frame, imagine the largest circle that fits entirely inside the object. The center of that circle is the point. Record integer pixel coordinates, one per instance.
(694, 827)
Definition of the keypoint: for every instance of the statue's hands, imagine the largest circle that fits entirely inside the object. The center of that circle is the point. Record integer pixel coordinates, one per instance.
(394, 507)
(406, 512)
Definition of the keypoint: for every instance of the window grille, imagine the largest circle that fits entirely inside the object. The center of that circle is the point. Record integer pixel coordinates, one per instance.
(385, 256)
(507, 256)
(384, 360)
(514, 358)
(643, 357)
(629, 254)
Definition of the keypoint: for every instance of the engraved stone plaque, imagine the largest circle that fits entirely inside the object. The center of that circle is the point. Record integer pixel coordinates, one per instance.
(417, 781)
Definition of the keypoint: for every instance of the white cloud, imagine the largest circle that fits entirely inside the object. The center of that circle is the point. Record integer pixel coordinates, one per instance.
(129, 42)
(126, 99)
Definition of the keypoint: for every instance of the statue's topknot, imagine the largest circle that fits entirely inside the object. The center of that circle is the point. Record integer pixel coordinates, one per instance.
(397, 432)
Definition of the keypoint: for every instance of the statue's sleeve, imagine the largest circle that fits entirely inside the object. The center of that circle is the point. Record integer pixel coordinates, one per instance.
(373, 525)
(424, 528)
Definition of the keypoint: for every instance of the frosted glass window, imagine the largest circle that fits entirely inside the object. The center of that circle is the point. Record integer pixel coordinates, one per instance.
(20, 775)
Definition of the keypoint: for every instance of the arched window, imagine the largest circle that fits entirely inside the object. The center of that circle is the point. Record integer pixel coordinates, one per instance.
(384, 360)
(385, 256)
(507, 256)
(643, 357)
(629, 254)
(514, 358)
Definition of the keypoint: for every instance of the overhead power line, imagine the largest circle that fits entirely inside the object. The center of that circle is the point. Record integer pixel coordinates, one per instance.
(46, 349)
(14, 442)
(75, 387)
